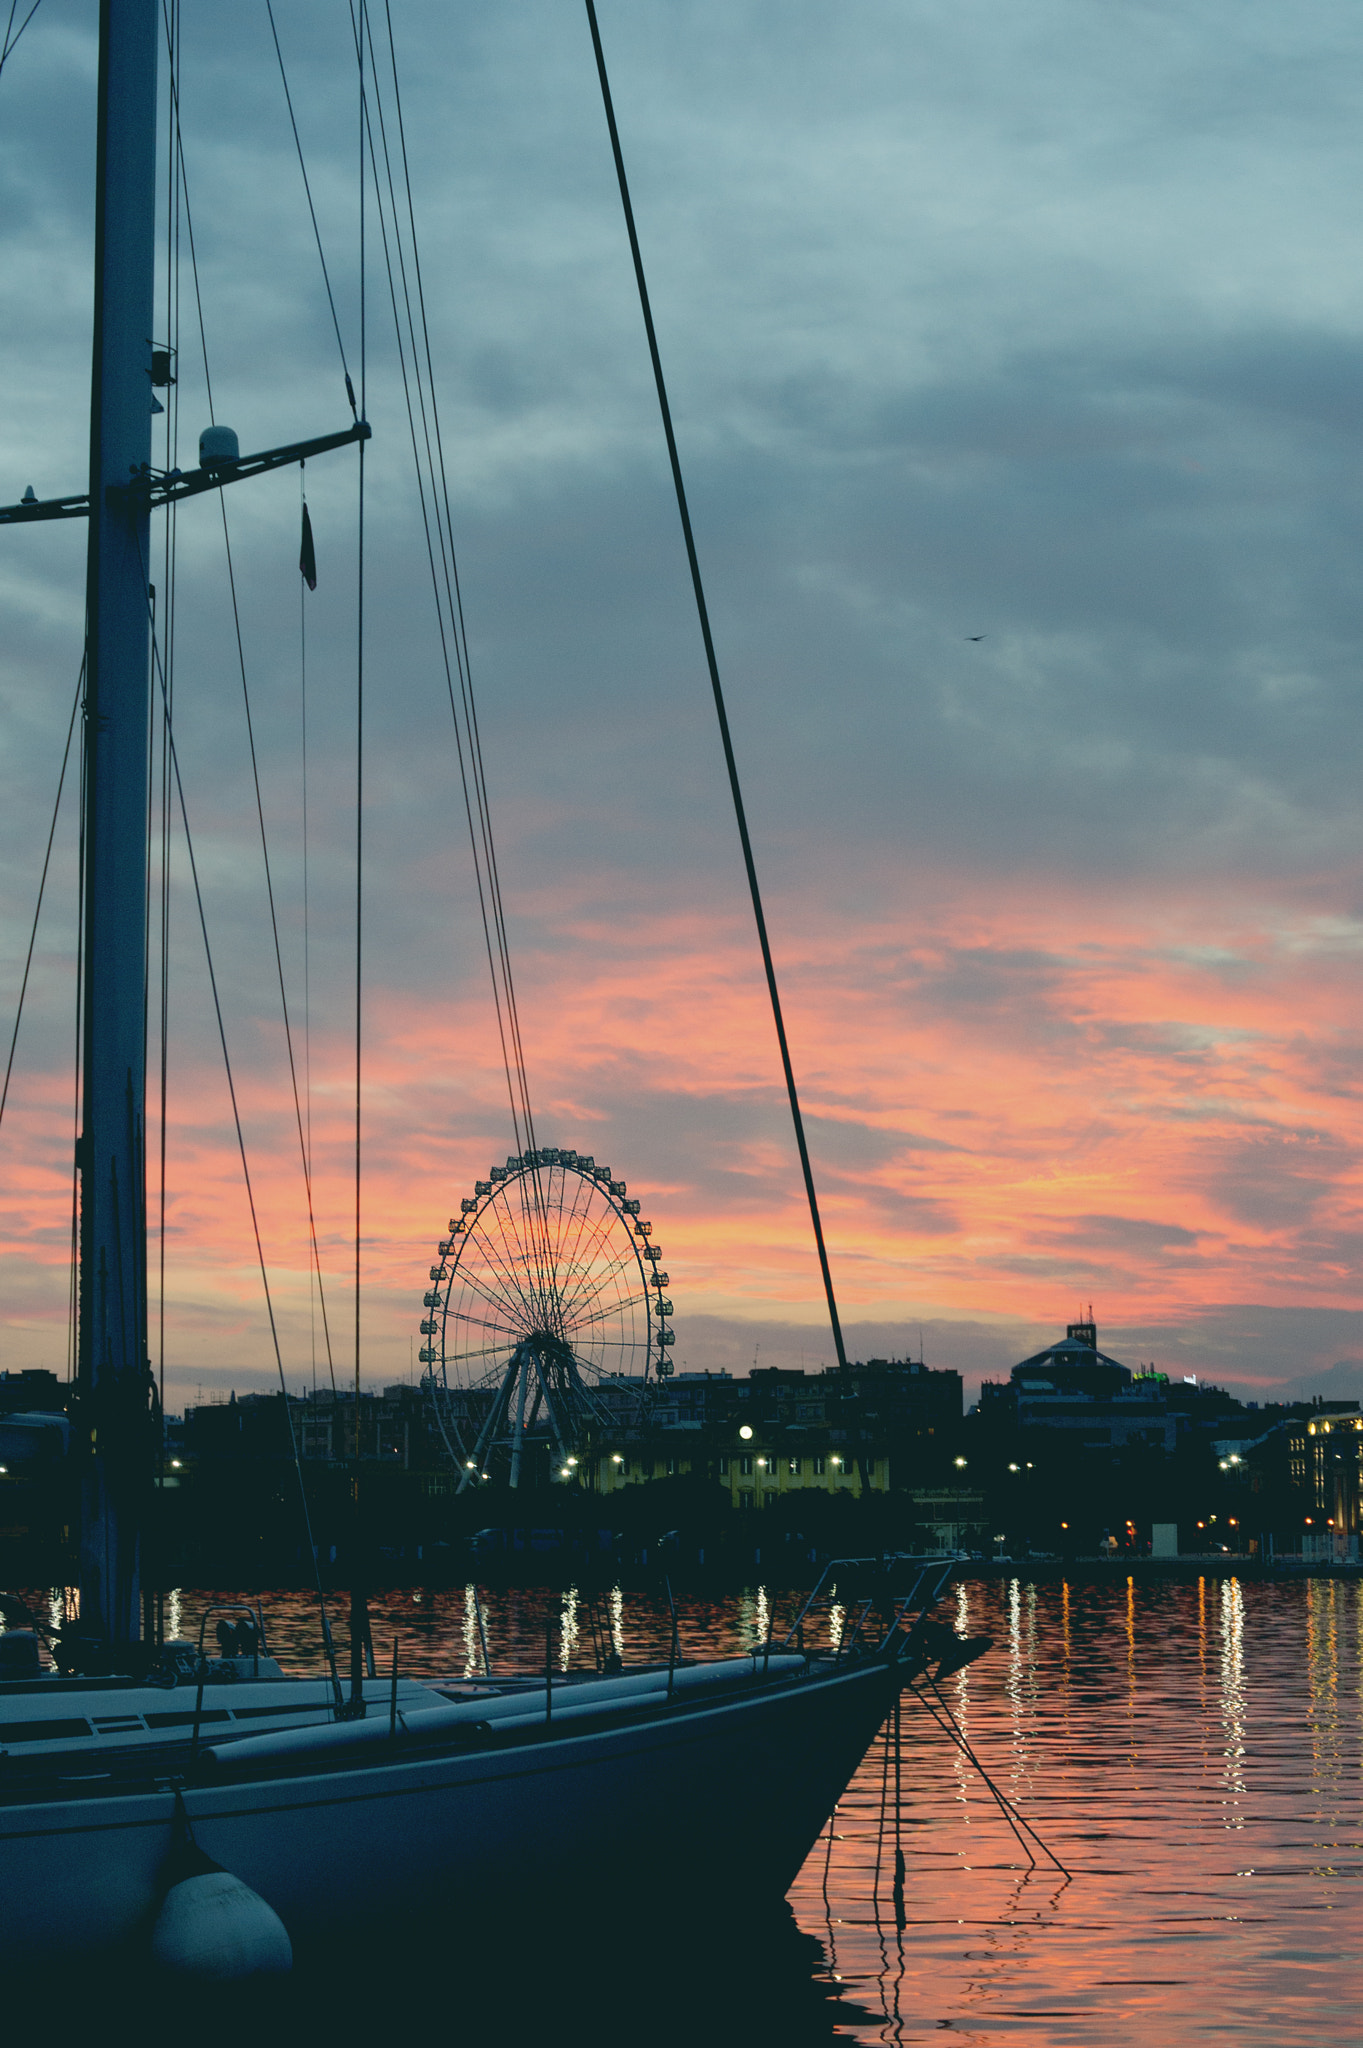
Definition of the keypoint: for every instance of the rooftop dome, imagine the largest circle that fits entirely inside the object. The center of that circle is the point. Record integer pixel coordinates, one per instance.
(1075, 1366)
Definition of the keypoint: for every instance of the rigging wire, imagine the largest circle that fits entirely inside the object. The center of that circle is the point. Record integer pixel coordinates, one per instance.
(359, 747)
(417, 372)
(703, 615)
(454, 592)
(241, 1141)
(307, 944)
(274, 924)
(312, 210)
(255, 771)
(42, 888)
(73, 1278)
(7, 48)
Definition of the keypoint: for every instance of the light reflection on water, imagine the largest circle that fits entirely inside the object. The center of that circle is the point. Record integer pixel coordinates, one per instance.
(1193, 1752)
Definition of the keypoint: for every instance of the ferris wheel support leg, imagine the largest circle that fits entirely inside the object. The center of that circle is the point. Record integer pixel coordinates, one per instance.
(520, 1427)
(496, 1415)
(551, 1406)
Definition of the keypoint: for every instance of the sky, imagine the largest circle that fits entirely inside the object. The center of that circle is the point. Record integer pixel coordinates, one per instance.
(1016, 357)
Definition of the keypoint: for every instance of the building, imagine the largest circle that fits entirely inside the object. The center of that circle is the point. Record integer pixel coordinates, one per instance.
(35, 1390)
(1325, 1462)
(1074, 1387)
(783, 1431)
(391, 1428)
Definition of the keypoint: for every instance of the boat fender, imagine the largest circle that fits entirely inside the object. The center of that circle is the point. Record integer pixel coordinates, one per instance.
(212, 1928)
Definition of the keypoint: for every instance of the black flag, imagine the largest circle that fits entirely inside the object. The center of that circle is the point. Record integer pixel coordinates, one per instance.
(307, 554)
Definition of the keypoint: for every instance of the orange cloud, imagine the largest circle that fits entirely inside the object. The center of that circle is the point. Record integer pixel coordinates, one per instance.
(1008, 1111)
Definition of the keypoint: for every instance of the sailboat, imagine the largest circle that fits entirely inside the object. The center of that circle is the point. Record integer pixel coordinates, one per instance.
(327, 1805)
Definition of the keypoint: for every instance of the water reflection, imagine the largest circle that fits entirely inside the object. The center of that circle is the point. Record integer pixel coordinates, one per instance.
(473, 1648)
(1145, 1729)
(1233, 1694)
(568, 1630)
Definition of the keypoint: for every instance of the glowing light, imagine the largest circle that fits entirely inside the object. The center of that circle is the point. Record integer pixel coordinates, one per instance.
(959, 1461)
(746, 1433)
(1015, 1468)
(175, 1465)
(572, 1461)
(472, 1464)
(617, 1459)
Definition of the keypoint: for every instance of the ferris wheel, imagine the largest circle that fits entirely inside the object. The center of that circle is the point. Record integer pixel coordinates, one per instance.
(546, 1318)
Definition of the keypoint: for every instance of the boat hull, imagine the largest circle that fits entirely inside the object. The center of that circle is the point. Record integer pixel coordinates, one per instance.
(716, 1800)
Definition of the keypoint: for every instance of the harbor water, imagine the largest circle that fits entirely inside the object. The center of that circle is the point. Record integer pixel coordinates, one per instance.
(1191, 1752)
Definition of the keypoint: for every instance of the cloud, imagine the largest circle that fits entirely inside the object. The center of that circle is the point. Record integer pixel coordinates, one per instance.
(1018, 327)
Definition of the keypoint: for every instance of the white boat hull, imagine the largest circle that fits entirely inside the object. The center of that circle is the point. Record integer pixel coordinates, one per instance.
(726, 1798)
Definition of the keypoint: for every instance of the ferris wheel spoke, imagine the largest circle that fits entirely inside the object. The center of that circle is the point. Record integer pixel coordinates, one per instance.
(490, 1243)
(495, 1258)
(584, 1194)
(468, 1329)
(525, 1254)
(601, 1312)
(553, 1227)
(597, 1278)
(586, 1263)
(487, 1378)
(600, 1232)
(553, 1279)
(536, 1199)
(600, 1297)
(537, 1202)
(482, 1260)
(473, 1314)
(512, 1304)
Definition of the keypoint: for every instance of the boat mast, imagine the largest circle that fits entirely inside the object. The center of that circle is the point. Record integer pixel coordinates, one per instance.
(113, 1366)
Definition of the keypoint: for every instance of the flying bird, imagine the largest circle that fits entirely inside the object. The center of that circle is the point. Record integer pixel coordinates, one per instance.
(975, 636)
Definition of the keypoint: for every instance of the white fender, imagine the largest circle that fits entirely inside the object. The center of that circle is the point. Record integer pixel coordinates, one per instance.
(212, 1928)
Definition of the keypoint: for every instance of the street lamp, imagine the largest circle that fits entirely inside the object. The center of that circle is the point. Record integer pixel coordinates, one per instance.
(746, 1433)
